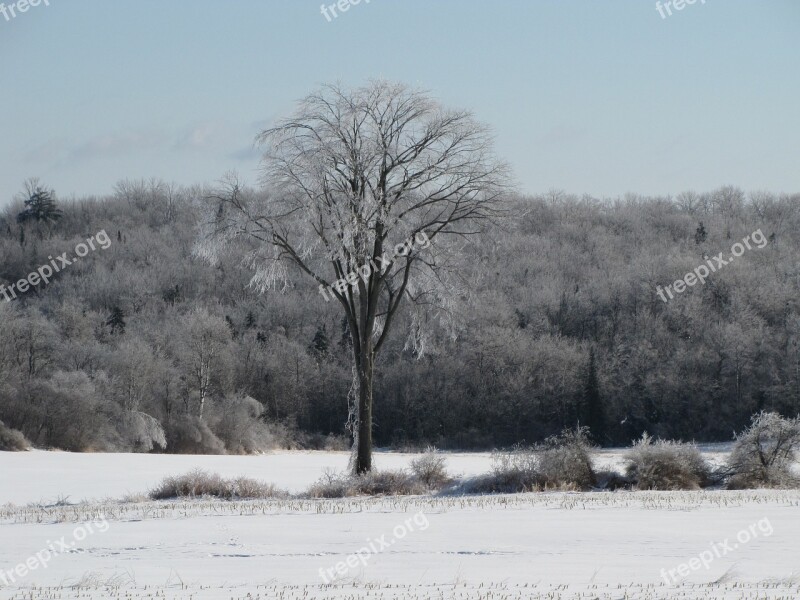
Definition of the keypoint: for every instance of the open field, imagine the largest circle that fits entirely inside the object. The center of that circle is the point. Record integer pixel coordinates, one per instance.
(548, 545)
(80, 477)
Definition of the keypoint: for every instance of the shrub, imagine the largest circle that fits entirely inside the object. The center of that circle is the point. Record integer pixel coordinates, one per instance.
(564, 461)
(388, 483)
(12, 440)
(187, 434)
(666, 465)
(374, 483)
(765, 452)
(236, 421)
(513, 472)
(430, 469)
(331, 485)
(198, 483)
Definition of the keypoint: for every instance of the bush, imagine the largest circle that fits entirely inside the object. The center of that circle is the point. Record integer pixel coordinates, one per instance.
(666, 465)
(765, 452)
(331, 485)
(12, 440)
(374, 483)
(513, 472)
(430, 470)
(187, 434)
(564, 461)
(236, 421)
(198, 484)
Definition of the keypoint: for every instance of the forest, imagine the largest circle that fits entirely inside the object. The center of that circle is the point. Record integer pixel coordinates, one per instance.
(145, 347)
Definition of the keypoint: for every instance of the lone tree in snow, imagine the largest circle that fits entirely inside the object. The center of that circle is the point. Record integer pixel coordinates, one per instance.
(370, 186)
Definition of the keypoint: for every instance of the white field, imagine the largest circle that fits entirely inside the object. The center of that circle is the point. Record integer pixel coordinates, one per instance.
(554, 545)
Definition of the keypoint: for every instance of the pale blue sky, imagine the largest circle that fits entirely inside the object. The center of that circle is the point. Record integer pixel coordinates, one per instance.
(595, 96)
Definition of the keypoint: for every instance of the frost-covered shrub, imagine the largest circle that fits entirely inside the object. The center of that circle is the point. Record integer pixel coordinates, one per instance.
(374, 483)
(12, 440)
(245, 488)
(332, 485)
(388, 483)
(187, 434)
(143, 432)
(513, 472)
(430, 469)
(236, 421)
(666, 465)
(564, 461)
(765, 452)
(78, 418)
(198, 484)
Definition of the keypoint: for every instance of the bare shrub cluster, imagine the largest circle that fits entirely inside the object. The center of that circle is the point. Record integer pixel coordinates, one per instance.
(199, 484)
(12, 440)
(764, 455)
(666, 465)
(765, 452)
(430, 469)
(564, 461)
(374, 483)
(428, 473)
(561, 462)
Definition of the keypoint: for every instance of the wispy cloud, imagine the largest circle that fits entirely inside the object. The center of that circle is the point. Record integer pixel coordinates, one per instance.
(207, 134)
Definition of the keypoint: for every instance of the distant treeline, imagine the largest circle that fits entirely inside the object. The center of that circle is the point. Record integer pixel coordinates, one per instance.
(143, 347)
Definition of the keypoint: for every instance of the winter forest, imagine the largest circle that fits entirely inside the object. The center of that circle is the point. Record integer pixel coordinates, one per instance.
(145, 347)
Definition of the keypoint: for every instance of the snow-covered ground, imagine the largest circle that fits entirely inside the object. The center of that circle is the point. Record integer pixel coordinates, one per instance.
(553, 545)
(46, 477)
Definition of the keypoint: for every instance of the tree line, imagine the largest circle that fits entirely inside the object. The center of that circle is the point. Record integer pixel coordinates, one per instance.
(145, 347)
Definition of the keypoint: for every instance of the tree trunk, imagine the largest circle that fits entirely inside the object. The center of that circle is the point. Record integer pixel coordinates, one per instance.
(365, 375)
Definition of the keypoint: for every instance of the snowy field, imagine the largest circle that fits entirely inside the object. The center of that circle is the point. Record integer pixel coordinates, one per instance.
(46, 477)
(554, 545)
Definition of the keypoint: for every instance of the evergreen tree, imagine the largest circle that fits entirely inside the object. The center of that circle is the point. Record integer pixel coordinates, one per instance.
(116, 321)
(40, 207)
(593, 413)
(232, 327)
(320, 343)
(700, 235)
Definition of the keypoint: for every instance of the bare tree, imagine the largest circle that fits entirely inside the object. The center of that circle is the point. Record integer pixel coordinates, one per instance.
(357, 179)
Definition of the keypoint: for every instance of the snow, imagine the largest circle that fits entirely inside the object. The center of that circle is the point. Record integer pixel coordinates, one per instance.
(97, 476)
(86, 476)
(546, 545)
